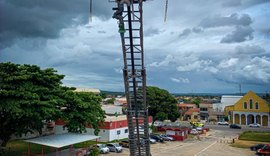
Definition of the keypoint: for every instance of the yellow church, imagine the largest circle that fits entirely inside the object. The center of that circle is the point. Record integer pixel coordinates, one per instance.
(249, 109)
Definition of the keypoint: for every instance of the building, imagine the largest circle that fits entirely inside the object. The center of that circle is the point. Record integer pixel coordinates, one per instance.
(90, 90)
(227, 100)
(205, 109)
(249, 109)
(193, 114)
(217, 114)
(114, 128)
(112, 110)
(183, 108)
(120, 101)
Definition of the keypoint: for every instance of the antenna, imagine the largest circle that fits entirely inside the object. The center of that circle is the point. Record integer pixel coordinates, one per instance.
(166, 10)
(91, 11)
(240, 89)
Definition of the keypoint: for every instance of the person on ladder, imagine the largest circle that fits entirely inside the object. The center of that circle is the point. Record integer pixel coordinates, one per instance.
(119, 15)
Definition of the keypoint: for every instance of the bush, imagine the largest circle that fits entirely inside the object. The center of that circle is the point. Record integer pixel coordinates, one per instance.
(94, 152)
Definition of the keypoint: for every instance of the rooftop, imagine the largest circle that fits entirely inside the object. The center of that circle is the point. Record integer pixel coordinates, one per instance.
(61, 140)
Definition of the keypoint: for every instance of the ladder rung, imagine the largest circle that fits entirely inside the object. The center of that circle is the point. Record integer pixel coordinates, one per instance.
(133, 45)
(131, 11)
(131, 21)
(135, 65)
(133, 58)
(134, 52)
(132, 37)
(133, 29)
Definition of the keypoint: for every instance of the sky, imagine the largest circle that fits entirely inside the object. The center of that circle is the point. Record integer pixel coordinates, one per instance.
(205, 46)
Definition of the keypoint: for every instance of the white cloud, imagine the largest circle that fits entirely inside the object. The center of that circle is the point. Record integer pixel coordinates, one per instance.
(180, 80)
(194, 66)
(165, 62)
(228, 63)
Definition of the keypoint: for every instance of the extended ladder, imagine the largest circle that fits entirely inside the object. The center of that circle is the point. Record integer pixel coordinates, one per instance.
(131, 32)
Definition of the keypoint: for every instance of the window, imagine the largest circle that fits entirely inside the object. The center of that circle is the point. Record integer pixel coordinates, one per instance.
(257, 105)
(118, 132)
(250, 103)
(203, 109)
(245, 105)
(126, 130)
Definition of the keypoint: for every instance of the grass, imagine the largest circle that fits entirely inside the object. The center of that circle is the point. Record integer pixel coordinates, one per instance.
(245, 143)
(250, 138)
(255, 136)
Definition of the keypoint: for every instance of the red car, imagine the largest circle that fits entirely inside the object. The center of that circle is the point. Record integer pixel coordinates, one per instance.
(264, 151)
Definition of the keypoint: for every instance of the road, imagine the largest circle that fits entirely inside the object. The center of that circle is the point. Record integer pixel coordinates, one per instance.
(215, 143)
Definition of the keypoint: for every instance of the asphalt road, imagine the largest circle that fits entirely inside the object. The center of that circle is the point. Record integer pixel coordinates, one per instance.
(215, 143)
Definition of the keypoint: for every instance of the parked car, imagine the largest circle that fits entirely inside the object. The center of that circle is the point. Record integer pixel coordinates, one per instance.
(235, 126)
(194, 131)
(254, 125)
(124, 143)
(256, 147)
(103, 148)
(152, 141)
(197, 124)
(156, 137)
(166, 137)
(199, 128)
(114, 147)
(264, 151)
(223, 123)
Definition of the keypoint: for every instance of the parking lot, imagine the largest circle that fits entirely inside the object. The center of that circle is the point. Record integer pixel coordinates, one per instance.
(212, 144)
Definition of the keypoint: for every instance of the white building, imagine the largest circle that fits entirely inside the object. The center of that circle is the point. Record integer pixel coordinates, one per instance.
(226, 100)
(114, 128)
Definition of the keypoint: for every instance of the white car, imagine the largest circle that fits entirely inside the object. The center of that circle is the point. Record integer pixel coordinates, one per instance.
(103, 148)
(166, 137)
(152, 141)
(254, 125)
(199, 128)
(194, 131)
(114, 147)
(223, 123)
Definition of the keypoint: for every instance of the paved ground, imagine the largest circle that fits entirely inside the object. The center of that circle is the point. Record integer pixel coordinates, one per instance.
(215, 143)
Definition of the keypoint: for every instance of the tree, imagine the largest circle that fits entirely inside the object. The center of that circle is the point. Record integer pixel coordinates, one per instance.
(30, 96)
(110, 101)
(161, 116)
(161, 102)
(83, 108)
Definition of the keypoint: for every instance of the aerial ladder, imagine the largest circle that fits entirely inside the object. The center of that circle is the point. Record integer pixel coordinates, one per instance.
(129, 14)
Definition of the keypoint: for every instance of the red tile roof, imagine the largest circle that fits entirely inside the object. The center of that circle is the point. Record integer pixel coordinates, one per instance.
(191, 110)
(186, 105)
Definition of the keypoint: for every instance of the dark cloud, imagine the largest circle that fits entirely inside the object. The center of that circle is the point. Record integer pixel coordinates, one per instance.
(249, 50)
(266, 33)
(234, 19)
(185, 33)
(45, 19)
(240, 34)
(197, 30)
(250, 3)
(151, 32)
(231, 3)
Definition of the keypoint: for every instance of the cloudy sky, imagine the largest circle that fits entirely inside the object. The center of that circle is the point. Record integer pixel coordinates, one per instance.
(206, 46)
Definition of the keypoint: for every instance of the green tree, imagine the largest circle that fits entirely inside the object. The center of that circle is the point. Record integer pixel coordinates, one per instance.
(161, 102)
(110, 101)
(30, 96)
(161, 116)
(83, 108)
